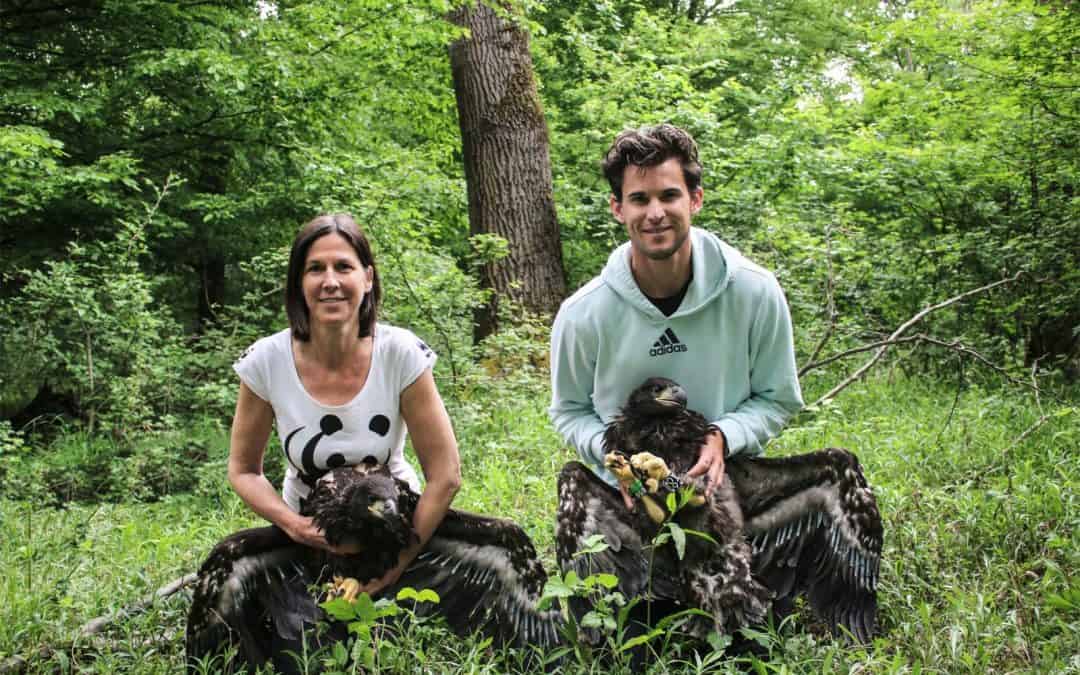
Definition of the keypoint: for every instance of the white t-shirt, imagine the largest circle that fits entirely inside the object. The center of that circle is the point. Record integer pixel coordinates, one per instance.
(317, 437)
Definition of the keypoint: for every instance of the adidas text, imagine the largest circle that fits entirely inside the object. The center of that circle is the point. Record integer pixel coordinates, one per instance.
(667, 343)
(659, 351)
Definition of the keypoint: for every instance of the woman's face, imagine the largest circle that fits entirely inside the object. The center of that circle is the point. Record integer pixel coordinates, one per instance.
(334, 281)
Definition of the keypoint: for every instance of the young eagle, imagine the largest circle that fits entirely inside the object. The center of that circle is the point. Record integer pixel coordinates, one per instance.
(258, 590)
(779, 527)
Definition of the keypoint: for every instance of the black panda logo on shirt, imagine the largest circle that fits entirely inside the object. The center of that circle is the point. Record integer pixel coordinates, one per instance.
(329, 425)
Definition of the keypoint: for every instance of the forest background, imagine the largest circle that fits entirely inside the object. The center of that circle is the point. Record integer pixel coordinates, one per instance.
(880, 157)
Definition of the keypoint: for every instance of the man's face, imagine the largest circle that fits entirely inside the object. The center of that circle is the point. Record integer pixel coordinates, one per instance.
(656, 209)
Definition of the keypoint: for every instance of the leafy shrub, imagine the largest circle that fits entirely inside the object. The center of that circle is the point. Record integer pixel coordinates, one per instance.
(80, 466)
(91, 329)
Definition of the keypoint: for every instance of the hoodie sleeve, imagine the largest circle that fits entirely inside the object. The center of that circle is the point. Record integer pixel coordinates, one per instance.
(574, 345)
(775, 395)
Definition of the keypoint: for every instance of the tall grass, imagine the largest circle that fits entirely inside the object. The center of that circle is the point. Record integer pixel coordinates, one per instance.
(980, 565)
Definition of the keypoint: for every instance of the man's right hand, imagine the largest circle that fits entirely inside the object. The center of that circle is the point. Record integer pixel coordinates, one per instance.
(627, 499)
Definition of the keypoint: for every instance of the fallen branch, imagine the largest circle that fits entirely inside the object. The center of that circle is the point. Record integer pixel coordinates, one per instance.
(856, 350)
(19, 663)
(955, 345)
(99, 624)
(855, 376)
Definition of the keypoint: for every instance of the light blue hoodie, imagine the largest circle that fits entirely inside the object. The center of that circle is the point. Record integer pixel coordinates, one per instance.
(729, 345)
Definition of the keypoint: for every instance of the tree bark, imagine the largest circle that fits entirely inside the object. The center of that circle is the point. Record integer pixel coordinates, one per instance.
(507, 164)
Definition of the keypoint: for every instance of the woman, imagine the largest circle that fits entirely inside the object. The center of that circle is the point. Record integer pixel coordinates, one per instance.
(341, 388)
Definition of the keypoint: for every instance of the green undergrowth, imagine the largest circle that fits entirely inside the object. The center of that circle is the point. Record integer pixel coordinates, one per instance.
(979, 575)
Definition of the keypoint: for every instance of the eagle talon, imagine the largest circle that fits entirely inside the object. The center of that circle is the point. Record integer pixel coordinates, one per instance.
(345, 588)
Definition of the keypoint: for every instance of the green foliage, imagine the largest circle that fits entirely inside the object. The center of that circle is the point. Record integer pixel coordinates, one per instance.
(878, 157)
(981, 542)
(78, 466)
(89, 328)
(374, 642)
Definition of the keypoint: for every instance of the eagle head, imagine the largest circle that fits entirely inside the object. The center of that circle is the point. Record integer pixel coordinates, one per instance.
(348, 501)
(656, 396)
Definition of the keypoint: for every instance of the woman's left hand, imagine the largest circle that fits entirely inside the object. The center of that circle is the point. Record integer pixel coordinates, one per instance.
(391, 577)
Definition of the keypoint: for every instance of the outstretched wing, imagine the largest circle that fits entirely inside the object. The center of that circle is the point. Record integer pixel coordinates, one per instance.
(815, 528)
(251, 595)
(488, 577)
(587, 507)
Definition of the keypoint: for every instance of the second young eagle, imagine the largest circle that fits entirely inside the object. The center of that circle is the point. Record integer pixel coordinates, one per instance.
(777, 527)
(258, 591)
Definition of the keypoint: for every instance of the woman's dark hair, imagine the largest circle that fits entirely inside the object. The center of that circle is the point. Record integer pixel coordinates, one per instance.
(295, 306)
(650, 146)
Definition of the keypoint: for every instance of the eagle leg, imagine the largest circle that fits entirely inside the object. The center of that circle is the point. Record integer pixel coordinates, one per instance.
(719, 580)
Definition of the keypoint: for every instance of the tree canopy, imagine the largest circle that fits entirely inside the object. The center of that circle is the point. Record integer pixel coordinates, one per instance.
(880, 157)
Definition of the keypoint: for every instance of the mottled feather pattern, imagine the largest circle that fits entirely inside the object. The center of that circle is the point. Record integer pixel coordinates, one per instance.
(253, 591)
(806, 524)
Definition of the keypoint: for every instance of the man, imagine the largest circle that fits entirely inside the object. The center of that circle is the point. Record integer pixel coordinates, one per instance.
(675, 301)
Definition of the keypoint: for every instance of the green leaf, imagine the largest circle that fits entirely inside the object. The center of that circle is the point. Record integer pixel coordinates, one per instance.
(339, 608)
(702, 535)
(608, 581)
(428, 595)
(341, 656)
(365, 608)
(719, 641)
(407, 593)
(679, 538)
(639, 640)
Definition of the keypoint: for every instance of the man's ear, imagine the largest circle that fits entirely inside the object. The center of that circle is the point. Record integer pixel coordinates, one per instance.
(616, 208)
(696, 198)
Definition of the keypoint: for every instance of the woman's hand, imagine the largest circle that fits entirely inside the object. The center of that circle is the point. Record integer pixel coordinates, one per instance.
(303, 530)
(391, 577)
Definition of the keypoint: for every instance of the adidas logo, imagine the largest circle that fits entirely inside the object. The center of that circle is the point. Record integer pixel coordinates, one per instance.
(667, 344)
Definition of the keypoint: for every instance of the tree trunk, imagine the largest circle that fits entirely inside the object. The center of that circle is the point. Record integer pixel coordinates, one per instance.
(507, 166)
(210, 262)
(211, 289)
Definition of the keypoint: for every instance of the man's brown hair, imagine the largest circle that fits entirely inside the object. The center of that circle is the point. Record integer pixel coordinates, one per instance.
(650, 146)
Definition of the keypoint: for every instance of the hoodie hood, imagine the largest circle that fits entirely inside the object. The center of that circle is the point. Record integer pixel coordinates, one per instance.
(713, 262)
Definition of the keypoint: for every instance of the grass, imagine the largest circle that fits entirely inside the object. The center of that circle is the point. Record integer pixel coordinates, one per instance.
(980, 566)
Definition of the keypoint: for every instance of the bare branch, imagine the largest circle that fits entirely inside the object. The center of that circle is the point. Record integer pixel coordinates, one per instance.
(857, 350)
(19, 663)
(903, 327)
(97, 625)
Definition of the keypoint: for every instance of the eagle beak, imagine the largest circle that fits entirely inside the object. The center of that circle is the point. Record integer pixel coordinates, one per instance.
(383, 508)
(670, 396)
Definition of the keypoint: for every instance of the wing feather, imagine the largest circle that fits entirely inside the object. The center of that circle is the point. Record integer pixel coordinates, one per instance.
(488, 577)
(588, 506)
(251, 597)
(814, 527)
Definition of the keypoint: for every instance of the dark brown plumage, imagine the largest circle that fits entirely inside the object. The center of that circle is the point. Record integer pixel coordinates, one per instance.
(782, 526)
(254, 590)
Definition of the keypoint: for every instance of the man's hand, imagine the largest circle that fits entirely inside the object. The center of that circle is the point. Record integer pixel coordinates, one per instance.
(626, 498)
(710, 462)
